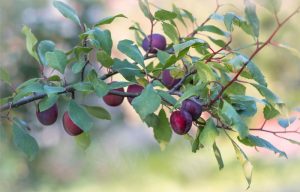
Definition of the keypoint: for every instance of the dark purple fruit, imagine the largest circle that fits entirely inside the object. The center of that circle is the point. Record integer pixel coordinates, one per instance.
(158, 42)
(194, 108)
(168, 80)
(114, 100)
(49, 116)
(135, 88)
(181, 122)
(70, 127)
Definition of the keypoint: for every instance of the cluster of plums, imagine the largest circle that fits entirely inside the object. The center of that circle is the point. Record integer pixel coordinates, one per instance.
(49, 116)
(181, 120)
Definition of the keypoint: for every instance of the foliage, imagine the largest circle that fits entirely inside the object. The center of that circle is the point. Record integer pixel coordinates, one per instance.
(211, 71)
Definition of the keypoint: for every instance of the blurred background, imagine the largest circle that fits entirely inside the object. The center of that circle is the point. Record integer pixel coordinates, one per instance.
(123, 155)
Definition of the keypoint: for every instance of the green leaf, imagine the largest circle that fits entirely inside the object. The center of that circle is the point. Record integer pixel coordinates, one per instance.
(171, 32)
(79, 51)
(67, 11)
(232, 118)
(152, 120)
(57, 60)
(163, 131)
(108, 20)
(167, 97)
(252, 140)
(218, 156)
(250, 11)
(23, 141)
(286, 122)
(164, 15)
(196, 142)
(231, 18)
(165, 58)
(44, 47)
(144, 6)
(79, 116)
(213, 29)
(128, 70)
(131, 50)
(53, 89)
(83, 140)
(205, 72)
(47, 102)
(179, 15)
(98, 112)
(54, 78)
(180, 47)
(31, 42)
(189, 15)
(272, 5)
(145, 108)
(246, 164)
(34, 87)
(100, 87)
(104, 38)
(84, 87)
(270, 111)
(292, 50)
(209, 133)
(254, 71)
(244, 105)
(4, 76)
(104, 59)
(267, 93)
(78, 66)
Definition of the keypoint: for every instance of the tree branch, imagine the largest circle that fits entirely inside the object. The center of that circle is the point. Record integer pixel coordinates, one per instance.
(252, 56)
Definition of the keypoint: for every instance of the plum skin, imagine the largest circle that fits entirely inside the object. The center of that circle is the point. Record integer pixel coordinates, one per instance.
(70, 127)
(158, 42)
(168, 80)
(135, 88)
(49, 116)
(194, 108)
(181, 122)
(114, 100)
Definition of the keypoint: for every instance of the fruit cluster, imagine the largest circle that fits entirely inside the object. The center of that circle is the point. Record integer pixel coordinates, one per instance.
(180, 120)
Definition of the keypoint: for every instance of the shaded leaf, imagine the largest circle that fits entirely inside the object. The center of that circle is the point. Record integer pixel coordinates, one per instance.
(286, 122)
(67, 11)
(131, 50)
(57, 60)
(209, 133)
(232, 118)
(83, 140)
(128, 70)
(246, 164)
(108, 20)
(252, 140)
(44, 47)
(31, 42)
(104, 39)
(98, 112)
(213, 29)
(218, 156)
(145, 108)
(23, 141)
(163, 131)
(79, 116)
(104, 59)
(250, 11)
(171, 32)
(47, 102)
(164, 15)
